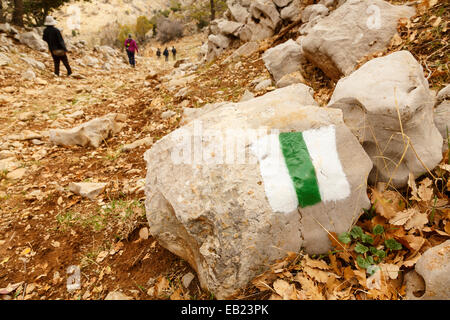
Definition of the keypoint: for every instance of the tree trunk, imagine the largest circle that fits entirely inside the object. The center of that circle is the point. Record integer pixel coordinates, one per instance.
(2, 13)
(17, 18)
(213, 10)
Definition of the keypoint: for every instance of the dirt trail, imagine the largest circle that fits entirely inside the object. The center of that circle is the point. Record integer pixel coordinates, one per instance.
(44, 228)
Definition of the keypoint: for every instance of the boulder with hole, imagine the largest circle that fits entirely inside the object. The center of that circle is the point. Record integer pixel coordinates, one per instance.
(388, 105)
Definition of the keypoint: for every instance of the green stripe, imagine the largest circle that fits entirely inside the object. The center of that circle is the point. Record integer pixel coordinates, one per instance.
(300, 167)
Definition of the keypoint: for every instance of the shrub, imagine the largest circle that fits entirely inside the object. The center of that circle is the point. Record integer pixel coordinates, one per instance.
(169, 30)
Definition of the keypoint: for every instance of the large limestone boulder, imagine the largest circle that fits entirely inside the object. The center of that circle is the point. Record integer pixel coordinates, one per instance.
(265, 12)
(431, 275)
(33, 40)
(90, 133)
(239, 12)
(230, 212)
(291, 12)
(283, 59)
(357, 28)
(216, 45)
(442, 114)
(374, 99)
(245, 50)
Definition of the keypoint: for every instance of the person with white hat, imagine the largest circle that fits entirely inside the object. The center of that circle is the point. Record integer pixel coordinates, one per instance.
(56, 45)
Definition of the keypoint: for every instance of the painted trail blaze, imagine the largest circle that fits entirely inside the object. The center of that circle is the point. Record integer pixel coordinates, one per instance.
(301, 168)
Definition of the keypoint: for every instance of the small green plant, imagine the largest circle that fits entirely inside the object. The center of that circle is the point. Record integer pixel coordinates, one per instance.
(368, 255)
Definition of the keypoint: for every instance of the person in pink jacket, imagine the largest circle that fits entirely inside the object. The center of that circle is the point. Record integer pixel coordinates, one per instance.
(132, 48)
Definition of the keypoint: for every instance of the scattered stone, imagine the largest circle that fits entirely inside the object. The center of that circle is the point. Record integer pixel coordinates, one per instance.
(8, 164)
(263, 85)
(116, 295)
(143, 233)
(141, 142)
(442, 114)
(187, 279)
(431, 275)
(16, 174)
(283, 59)
(247, 96)
(289, 79)
(337, 42)
(33, 40)
(168, 114)
(89, 190)
(372, 100)
(90, 133)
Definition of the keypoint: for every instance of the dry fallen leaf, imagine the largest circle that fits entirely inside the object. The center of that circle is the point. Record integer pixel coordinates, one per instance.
(390, 270)
(410, 218)
(387, 203)
(285, 290)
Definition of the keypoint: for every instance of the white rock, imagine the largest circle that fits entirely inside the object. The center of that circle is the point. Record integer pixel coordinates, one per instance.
(168, 114)
(373, 97)
(217, 216)
(263, 85)
(337, 42)
(433, 271)
(90, 133)
(87, 189)
(116, 295)
(33, 40)
(283, 59)
(187, 279)
(141, 142)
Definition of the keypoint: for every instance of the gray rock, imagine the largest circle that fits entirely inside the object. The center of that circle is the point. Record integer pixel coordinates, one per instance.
(372, 99)
(247, 96)
(89, 190)
(266, 13)
(90, 133)
(190, 114)
(217, 216)
(141, 142)
(29, 75)
(442, 114)
(432, 275)
(238, 11)
(245, 50)
(4, 60)
(289, 79)
(168, 114)
(116, 295)
(33, 63)
(33, 40)
(283, 59)
(291, 12)
(263, 85)
(314, 11)
(282, 3)
(357, 28)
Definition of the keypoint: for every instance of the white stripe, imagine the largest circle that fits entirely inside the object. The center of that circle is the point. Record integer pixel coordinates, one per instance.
(321, 143)
(278, 185)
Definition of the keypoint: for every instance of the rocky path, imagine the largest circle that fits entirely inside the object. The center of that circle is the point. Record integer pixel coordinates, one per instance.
(45, 228)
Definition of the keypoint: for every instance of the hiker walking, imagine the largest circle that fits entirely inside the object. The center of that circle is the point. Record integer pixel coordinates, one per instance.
(174, 52)
(166, 54)
(56, 45)
(132, 48)
(158, 53)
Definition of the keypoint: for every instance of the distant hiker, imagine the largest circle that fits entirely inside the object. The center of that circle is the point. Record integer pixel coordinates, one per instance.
(56, 45)
(166, 54)
(132, 48)
(174, 52)
(158, 53)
